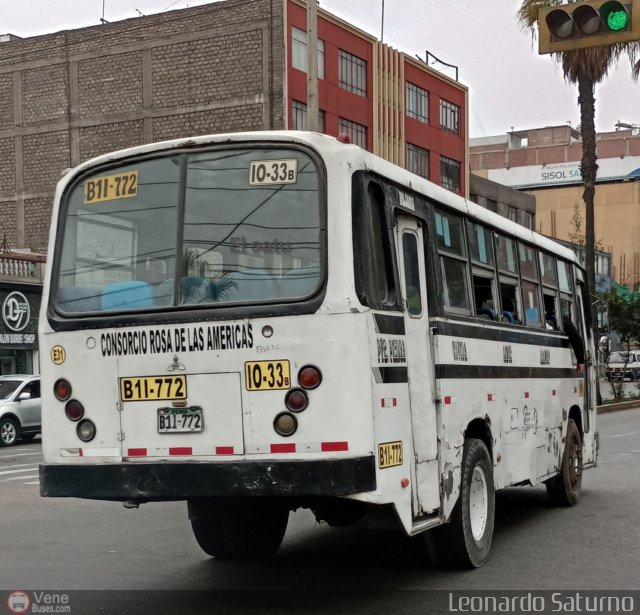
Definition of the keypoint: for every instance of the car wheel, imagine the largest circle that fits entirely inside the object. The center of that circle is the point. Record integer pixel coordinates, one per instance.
(9, 432)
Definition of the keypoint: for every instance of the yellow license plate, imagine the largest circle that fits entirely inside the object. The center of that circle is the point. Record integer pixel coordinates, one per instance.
(111, 187)
(389, 454)
(151, 388)
(266, 375)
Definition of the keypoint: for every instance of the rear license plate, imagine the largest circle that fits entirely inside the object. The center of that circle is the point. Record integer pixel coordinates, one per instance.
(153, 388)
(180, 420)
(267, 375)
(389, 454)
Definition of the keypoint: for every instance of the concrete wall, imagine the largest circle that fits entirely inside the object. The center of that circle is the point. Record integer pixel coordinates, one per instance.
(72, 95)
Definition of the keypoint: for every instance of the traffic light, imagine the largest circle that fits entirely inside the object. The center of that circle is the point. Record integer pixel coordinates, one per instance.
(591, 23)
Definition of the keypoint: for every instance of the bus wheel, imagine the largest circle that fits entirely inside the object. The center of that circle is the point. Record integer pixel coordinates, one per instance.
(471, 528)
(9, 432)
(564, 489)
(242, 530)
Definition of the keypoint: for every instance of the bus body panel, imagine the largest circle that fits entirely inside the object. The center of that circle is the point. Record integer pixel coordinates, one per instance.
(401, 389)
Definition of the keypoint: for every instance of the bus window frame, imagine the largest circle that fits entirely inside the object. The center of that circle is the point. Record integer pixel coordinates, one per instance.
(65, 321)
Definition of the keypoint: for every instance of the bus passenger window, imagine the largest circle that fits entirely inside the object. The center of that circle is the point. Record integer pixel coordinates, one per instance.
(454, 276)
(483, 296)
(509, 301)
(453, 262)
(550, 311)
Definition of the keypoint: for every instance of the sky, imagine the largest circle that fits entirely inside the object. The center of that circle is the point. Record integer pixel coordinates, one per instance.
(511, 87)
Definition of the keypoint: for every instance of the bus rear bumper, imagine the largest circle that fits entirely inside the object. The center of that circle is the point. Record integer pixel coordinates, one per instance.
(146, 482)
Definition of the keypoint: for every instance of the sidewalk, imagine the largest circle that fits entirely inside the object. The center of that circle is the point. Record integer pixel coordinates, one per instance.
(605, 391)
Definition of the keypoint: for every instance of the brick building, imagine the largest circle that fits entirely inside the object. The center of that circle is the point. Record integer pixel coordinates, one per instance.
(224, 67)
(545, 162)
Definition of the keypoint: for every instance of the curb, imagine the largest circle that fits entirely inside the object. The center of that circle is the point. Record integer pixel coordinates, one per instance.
(624, 405)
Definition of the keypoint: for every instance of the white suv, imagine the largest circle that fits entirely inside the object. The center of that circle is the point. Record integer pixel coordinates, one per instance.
(616, 369)
(19, 408)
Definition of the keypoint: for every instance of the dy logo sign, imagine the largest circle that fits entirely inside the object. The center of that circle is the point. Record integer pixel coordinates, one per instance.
(16, 311)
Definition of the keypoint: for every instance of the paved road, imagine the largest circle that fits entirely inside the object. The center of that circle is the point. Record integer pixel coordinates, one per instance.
(67, 545)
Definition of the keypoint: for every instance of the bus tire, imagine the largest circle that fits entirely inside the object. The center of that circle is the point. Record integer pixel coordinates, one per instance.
(471, 528)
(250, 530)
(564, 489)
(9, 431)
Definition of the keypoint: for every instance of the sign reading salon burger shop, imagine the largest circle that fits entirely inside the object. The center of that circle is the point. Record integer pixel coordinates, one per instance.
(19, 318)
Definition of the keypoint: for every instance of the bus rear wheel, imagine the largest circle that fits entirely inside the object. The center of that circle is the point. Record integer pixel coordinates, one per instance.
(466, 541)
(565, 488)
(239, 530)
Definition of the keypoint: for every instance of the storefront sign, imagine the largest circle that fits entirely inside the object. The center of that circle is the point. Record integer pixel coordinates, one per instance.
(19, 318)
(539, 175)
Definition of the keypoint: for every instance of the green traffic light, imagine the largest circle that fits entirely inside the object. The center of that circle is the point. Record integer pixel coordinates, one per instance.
(617, 20)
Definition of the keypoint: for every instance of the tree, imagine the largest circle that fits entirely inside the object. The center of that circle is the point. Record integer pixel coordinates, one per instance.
(586, 68)
(624, 318)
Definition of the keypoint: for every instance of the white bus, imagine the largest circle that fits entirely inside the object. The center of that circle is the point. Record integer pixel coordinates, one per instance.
(259, 322)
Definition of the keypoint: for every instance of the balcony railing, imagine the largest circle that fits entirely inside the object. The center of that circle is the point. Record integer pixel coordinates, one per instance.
(25, 268)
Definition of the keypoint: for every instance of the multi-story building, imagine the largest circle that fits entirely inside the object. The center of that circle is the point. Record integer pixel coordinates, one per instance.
(545, 162)
(228, 66)
(223, 67)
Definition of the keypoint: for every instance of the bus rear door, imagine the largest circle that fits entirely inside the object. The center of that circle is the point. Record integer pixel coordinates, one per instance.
(419, 355)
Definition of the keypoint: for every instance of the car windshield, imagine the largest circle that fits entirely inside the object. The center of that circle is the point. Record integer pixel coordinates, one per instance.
(617, 357)
(7, 387)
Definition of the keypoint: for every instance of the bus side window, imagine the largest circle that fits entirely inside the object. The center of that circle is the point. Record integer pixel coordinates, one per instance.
(372, 251)
(483, 276)
(453, 262)
(411, 273)
(509, 301)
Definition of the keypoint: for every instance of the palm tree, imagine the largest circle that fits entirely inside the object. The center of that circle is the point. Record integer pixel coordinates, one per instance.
(586, 67)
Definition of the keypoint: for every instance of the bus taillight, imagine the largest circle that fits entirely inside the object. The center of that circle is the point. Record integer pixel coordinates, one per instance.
(309, 377)
(296, 400)
(74, 410)
(62, 389)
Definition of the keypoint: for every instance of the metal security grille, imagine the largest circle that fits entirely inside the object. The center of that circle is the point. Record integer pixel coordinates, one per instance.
(417, 103)
(356, 132)
(449, 117)
(418, 160)
(352, 73)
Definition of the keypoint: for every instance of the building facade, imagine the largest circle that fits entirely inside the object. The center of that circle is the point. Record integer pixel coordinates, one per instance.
(545, 162)
(223, 67)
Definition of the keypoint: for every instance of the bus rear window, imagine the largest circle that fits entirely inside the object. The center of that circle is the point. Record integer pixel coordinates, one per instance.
(222, 226)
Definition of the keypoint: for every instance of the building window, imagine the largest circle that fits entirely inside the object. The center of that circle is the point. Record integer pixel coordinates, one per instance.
(299, 117)
(512, 213)
(528, 220)
(418, 160)
(417, 103)
(356, 132)
(352, 73)
(299, 54)
(449, 117)
(450, 174)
